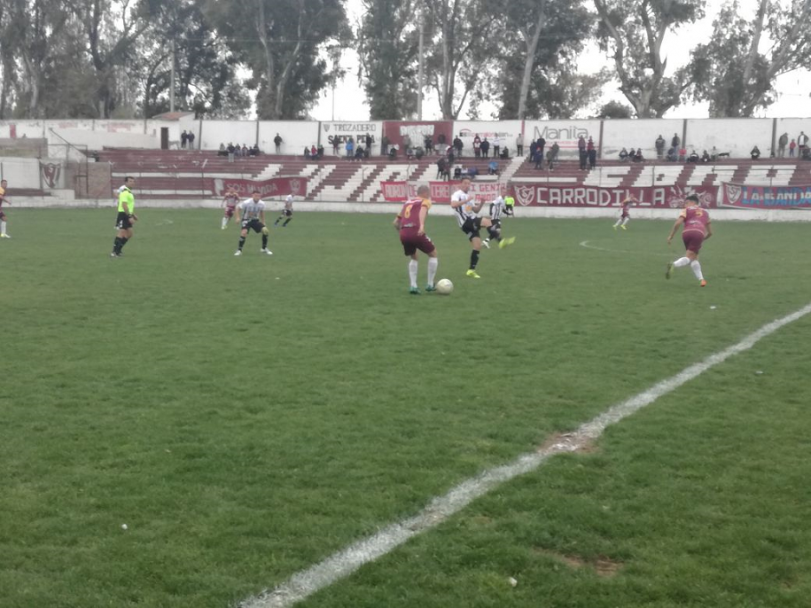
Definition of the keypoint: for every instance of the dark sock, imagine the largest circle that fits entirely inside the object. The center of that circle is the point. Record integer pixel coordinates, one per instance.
(278, 219)
(286, 222)
(494, 233)
(474, 259)
(117, 245)
(123, 242)
(264, 241)
(241, 242)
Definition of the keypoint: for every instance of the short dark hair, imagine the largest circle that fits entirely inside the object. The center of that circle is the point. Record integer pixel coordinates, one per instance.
(256, 192)
(3, 181)
(128, 178)
(692, 197)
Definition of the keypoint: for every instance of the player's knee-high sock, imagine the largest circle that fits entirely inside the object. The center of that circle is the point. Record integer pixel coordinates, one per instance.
(494, 233)
(224, 222)
(123, 242)
(681, 262)
(474, 259)
(278, 219)
(433, 263)
(264, 241)
(2, 227)
(619, 221)
(287, 221)
(241, 242)
(412, 273)
(695, 265)
(117, 245)
(625, 220)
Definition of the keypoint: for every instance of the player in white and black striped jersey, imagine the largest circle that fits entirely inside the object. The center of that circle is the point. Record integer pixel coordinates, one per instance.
(251, 216)
(467, 210)
(497, 208)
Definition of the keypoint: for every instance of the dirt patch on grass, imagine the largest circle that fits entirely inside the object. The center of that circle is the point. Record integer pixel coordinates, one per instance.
(603, 566)
(569, 442)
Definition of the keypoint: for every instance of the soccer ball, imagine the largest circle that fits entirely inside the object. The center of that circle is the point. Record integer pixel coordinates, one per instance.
(444, 287)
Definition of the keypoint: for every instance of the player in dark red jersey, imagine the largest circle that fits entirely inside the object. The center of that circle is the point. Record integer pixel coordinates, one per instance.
(3, 199)
(626, 212)
(230, 203)
(697, 229)
(410, 223)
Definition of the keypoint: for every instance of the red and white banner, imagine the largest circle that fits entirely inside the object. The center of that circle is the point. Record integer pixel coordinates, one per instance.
(278, 186)
(440, 191)
(543, 195)
(766, 197)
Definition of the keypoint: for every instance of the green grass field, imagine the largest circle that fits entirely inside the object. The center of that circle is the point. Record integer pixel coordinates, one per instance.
(246, 417)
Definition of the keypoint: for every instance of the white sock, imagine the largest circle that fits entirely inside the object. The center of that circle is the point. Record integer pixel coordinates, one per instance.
(224, 221)
(412, 272)
(696, 267)
(681, 262)
(433, 263)
(2, 227)
(619, 221)
(625, 221)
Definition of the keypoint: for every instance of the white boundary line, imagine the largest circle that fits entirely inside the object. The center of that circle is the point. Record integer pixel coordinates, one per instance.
(346, 561)
(587, 246)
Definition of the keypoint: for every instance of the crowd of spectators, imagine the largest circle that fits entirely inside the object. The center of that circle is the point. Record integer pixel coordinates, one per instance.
(233, 151)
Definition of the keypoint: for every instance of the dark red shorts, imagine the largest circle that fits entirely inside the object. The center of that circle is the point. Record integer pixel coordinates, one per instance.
(229, 211)
(412, 243)
(692, 241)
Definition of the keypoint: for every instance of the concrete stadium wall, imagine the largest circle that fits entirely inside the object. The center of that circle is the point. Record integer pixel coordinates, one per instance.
(792, 126)
(21, 172)
(619, 134)
(734, 135)
(343, 130)
(564, 132)
(216, 132)
(295, 135)
(505, 130)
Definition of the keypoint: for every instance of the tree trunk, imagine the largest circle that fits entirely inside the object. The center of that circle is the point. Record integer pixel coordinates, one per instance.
(529, 63)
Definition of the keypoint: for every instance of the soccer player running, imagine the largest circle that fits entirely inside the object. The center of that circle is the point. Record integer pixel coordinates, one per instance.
(497, 208)
(466, 210)
(626, 212)
(286, 212)
(3, 201)
(126, 216)
(251, 215)
(697, 229)
(230, 203)
(410, 223)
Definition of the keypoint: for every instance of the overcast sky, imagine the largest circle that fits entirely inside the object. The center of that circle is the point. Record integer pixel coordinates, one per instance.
(794, 88)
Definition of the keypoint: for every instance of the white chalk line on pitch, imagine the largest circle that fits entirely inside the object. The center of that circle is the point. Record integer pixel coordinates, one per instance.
(343, 563)
(587, 246)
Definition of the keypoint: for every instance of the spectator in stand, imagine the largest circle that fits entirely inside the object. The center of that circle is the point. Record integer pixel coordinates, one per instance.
(496, 145)
(368, 144)
(755, 153)
(624, 155)
(277, 141)
(231, 152)
(552, 155)
(693, 158)
(533, 146)
(485, 148)
(492, 167)
(184, 137)
(222, 151)
(350, 147)
(477, 146)
(441, 167)
(407, 143)
(245, 150)
(541, 146)
(675, 142)
(519, 144)
(538, 157)
(306, 153)
(472, 172)
(581, 149)
(505, 153)
(428, 142)
(637, 156)
(458, 145)
(592, 152)
(802, 142)
(660, 147)
(359, 154)
(442, 141)
(682, 154)
(672, 154)
(313, 152)
(336, 145)
(190, 138)
(782, 144)
(705, 158)
(792, 148)
(320, 151)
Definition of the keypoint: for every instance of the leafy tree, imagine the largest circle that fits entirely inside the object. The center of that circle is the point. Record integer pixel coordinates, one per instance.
(633, 32)
(732, 73)
(388, 46)
(615, 109)
(282, 48)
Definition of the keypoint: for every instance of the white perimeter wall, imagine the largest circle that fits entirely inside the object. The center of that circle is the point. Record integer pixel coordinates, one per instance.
(21, 173)
(565, 132)
(619, 134)
(792, 126)
(295, 135)
(506, 130)
(734, 135)
(216, 132)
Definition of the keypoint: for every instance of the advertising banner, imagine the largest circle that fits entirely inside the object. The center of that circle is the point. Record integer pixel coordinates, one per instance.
(542, 195)
(278, 186)
(766, 197)
(341, 131)
(566, 133)
(440, 191)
